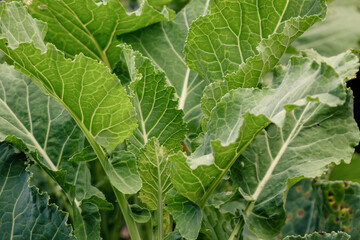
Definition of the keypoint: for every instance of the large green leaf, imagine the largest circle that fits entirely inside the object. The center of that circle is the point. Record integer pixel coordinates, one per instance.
(290, 151)
(154, 104)
(25, 213)
(242, 49)
(338, 33)
(91, 27)
(163, 43)
(219, 42)
(44, 127)
(242, 114)
(91, 94)
(348, 172)
(321, 236)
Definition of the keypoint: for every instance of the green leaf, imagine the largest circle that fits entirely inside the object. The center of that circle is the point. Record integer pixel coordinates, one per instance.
(301, 209)
(290, 152)
(174, 236)
(348, 172)
(219, 42)
(91, 27)
(25, 212)
(338, 33)
(44, 126)
(242, 114)
(216, 225)
(187, 215)
(163, 43)
(242, 49)
(139, 214)
(154, 169)
(27, 114)
(122, 171)
(153, 100)
(87, 222)
(89, 92)
(339, 204)
(321, 236)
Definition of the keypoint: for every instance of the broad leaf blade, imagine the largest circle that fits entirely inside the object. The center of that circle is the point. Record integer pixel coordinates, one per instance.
(242, 114)
(154, 103)
(91, 28)
(26, 213)
(92, 95)
(290, 152)
(163, 43)
(219, 42)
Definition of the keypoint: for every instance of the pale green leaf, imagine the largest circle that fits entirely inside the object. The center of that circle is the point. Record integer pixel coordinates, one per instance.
(174, 236)
(154, 103)
(91, 27)
(163, 43)
(44, 126)
(25, 213)
(154, 169)
(321, 236)
(289, 152)
(186, 214)
(219, 42)
(338, 33)
(121, 168)
(240, 41)
(242, 114)
(92, 95)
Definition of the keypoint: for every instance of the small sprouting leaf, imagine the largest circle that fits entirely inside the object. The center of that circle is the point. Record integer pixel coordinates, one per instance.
(92, 28)
(24, 212)
(186, 214)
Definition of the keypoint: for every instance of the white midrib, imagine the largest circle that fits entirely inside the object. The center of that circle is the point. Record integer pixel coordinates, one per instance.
(32, 139)
(275, 162)
(184, 90)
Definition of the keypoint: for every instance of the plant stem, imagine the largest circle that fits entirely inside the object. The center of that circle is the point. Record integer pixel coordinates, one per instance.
(123, 203)
(125, 209)
(238, 229)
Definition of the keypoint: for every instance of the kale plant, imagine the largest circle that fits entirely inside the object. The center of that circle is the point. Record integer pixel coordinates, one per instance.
(216, 122)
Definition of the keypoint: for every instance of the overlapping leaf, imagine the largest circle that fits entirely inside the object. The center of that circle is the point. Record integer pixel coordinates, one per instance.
(163, 43)
(242, 114)
(92, 95)
(24, 212)
(43, 126)
(91, 27)
(241, 41)
(154, 102)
